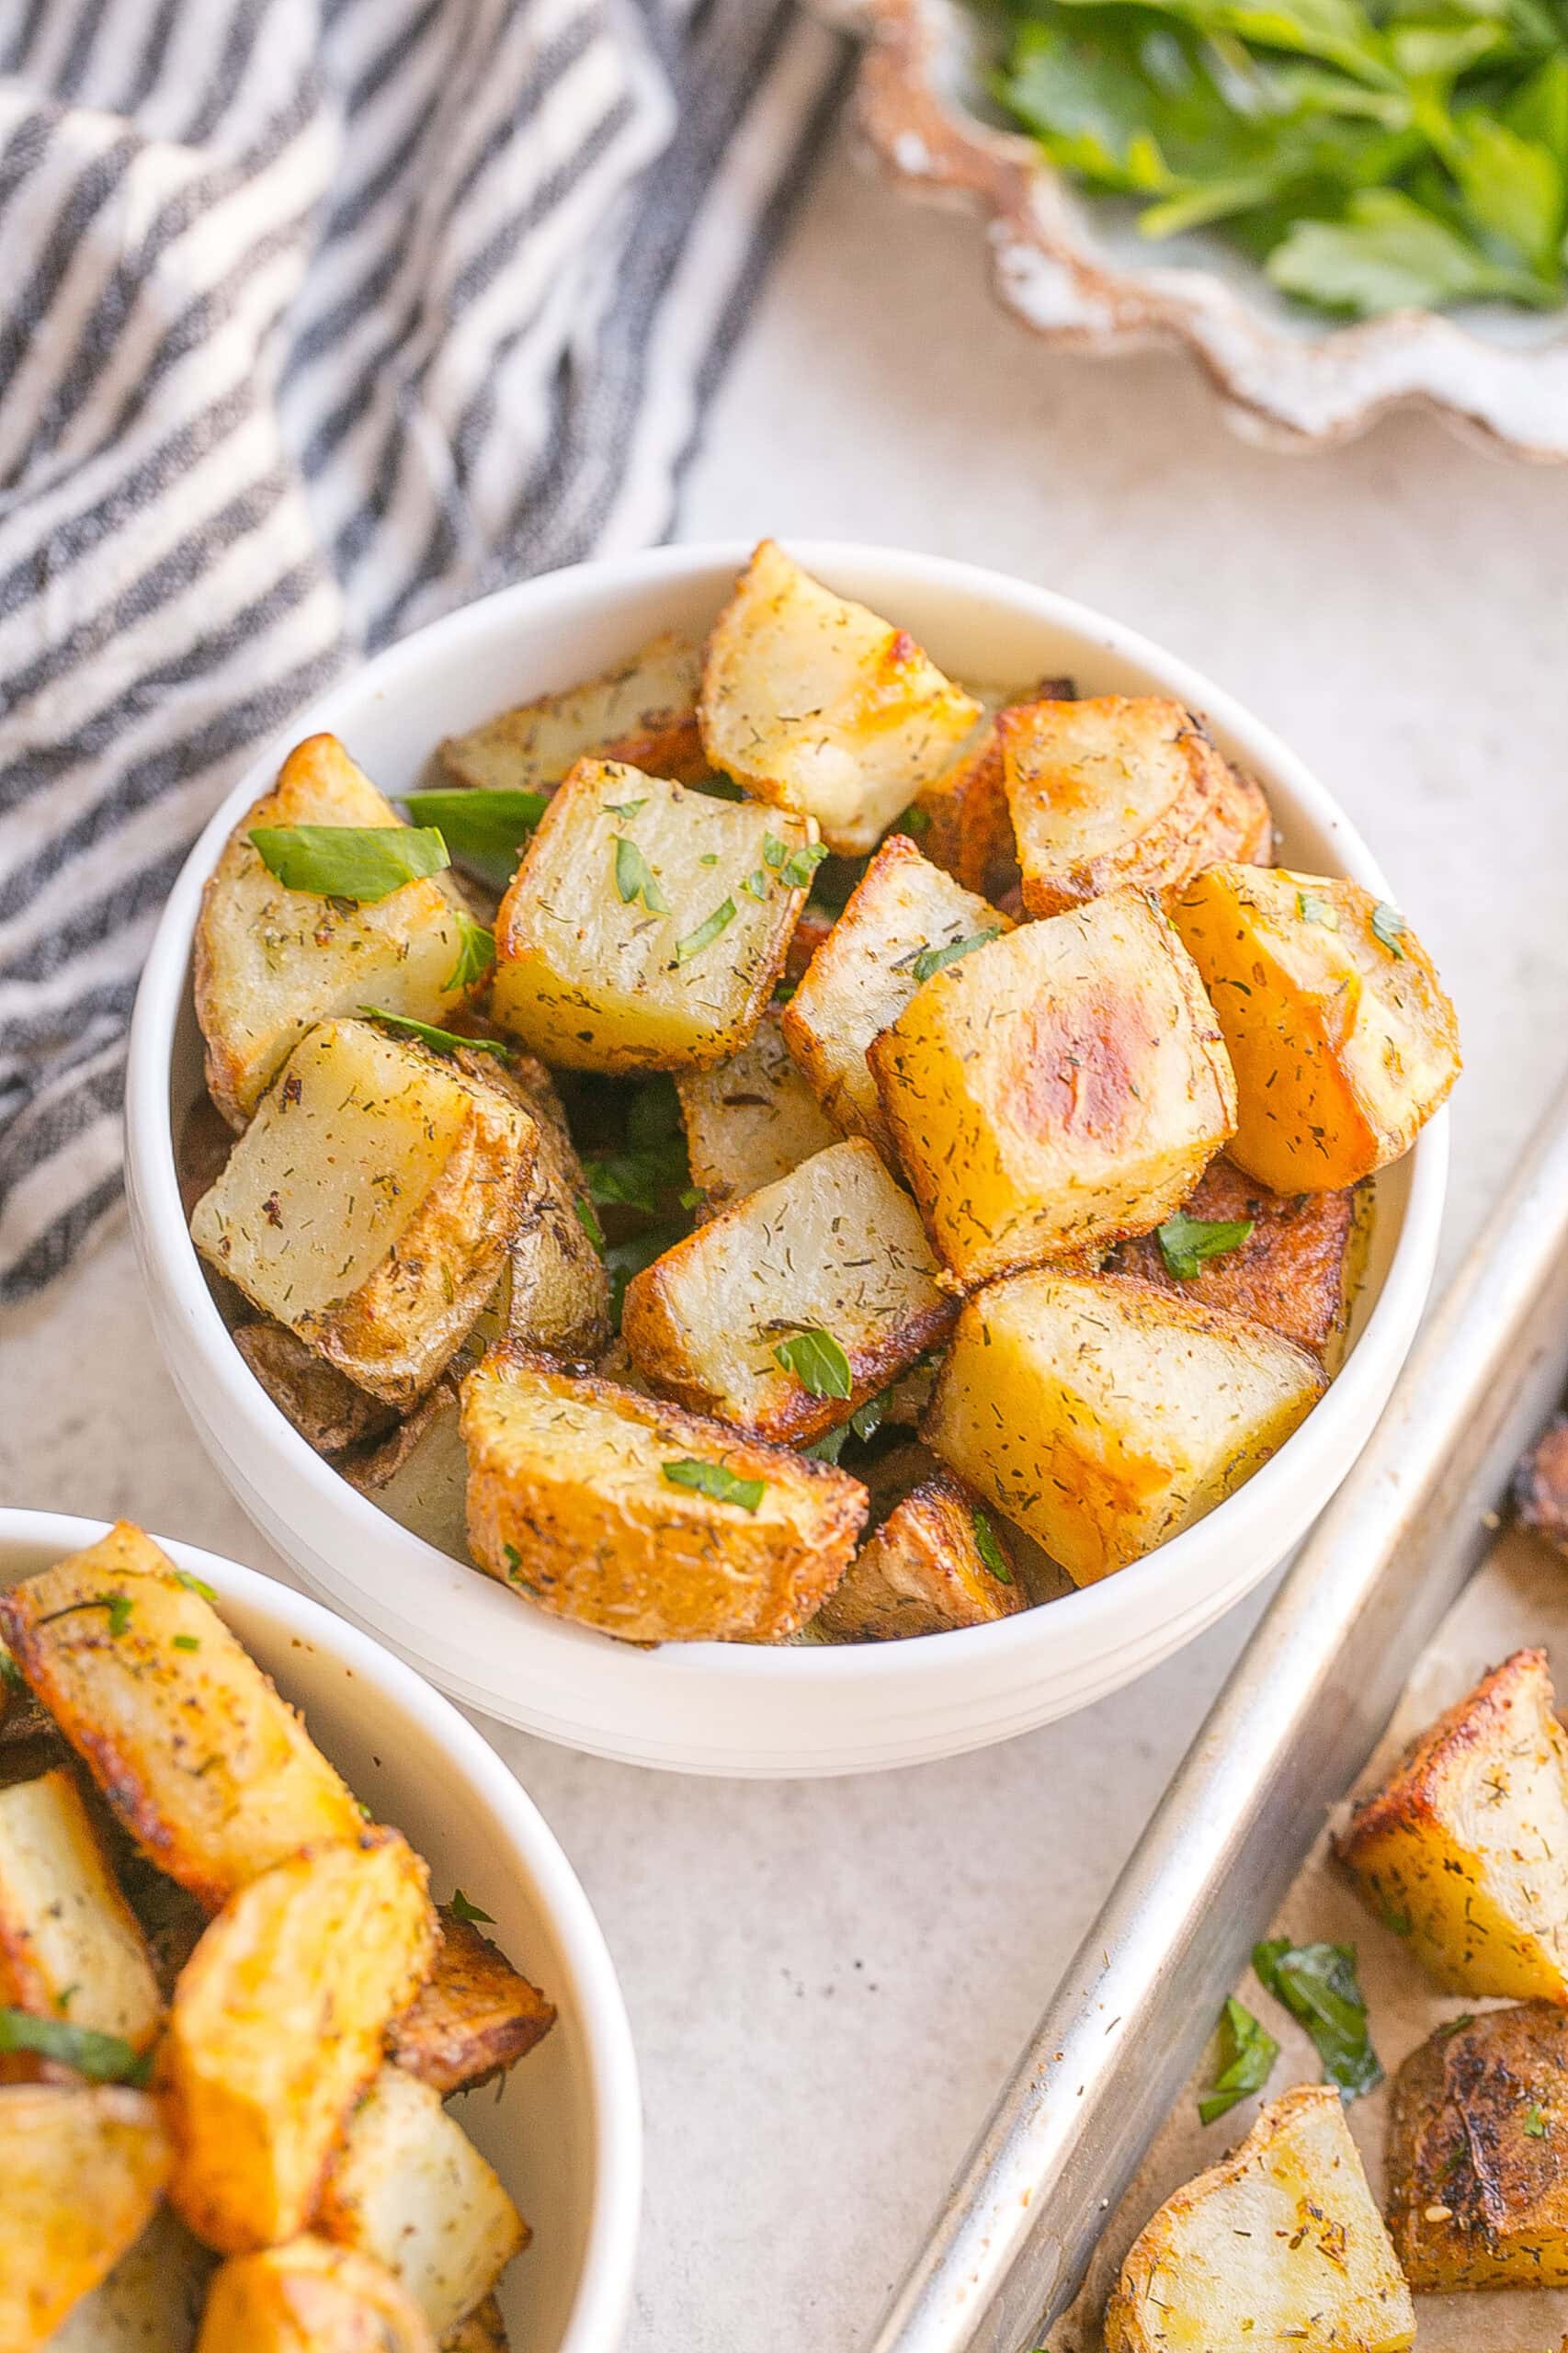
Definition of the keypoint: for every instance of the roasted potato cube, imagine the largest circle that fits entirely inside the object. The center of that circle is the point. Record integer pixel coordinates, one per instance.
(1063, 1087)
(554, 1290)
(813, 703)
(1280, 2245)
(277, 2024)
(84, 2166)
(1465, 1852)
(961, 819)
(327, 1408)
(310, 2297)
(835, 1247)
(647, 925)
(420, 1474)
(643, 1520)
(1478, 2194)
(644, 713)
(212, 1773)
(925, 1571)
(70, 1946)
(1343, 1041)
(750, 1120)
(408, 2188)
(903, 916)
(151, 2302)
(370, 1204)
(1105, 1417)
(270, 962)
(1294, 1272)
(473, 2017)
(1122, 789)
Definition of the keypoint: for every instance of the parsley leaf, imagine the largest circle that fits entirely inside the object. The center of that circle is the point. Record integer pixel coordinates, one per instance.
(913, 821)
(627, 809)
(1187, 1242)
(364, 863)
(476, 953)
(706, 933)
(486, 829)
(1387, 925)
(801, 865)
(989, 1549)
(937, 960)
(1317, 1983)
(461, 1909)
(1247, 2052)
(588, 1219)
(198, 1585)
(774, 851)
(1534, 2122)
(102, 2058)
(818, 1362)
(711, 1479)
(634, 877)
(755, 883)
(440, 1041)
(1311, 909)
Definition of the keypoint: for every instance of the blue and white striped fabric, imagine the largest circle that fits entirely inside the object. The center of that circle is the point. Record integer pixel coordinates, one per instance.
(317, 318)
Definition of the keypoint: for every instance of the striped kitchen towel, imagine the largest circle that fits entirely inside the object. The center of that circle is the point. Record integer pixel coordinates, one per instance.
(318, 317)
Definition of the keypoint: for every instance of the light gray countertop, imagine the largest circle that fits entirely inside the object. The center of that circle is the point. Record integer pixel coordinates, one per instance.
(828, 1980)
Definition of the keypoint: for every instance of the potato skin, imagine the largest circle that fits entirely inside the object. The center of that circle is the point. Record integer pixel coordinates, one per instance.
(644, 713)
(567, 1502)
(922, 1573)
(1343, 1048)
(310, 2297)
(329, 1411)
(474, 2017)
(418, 1475)
(1464, 1852)
(83, 2165)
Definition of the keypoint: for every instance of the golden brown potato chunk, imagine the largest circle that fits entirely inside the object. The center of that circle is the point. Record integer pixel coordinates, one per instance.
(327, 1408)
(929, 1567)
(646, 924)
(206, 1768)
(1279, 2246)
(554, 1290)
(70, 1946)
(643, 1520)
(1465, 1851)
(1105, 1417)
(310, 2297)
(961, 819)
(370, 1203)
(813, 703)
(1059, 1087)
(643, 713)
(836, 1250)
(1343, 1041)
(906, 920)
(1122, 789)
(1478, 2191)
(418, 1476)
(271, 962)
(750, 1120)
(83, 2166)
(474, 2017)
(277, 2025)
(1291, 1273)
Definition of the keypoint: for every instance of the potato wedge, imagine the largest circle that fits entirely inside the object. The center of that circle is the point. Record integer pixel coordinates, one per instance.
(70, 1946)
(1122, 789)
(647, 925)
(408, 2188)
(569, 1500)
(1061, 1087)
(420, 1474)
(474, 2017)
(835, 1247)
(1478, 2194)
(370, 1204)
(1294, 1271)
(84, 2166)
(1279, 2247)
(750, 1120)
(1465, 1851)
(961, 820)
(151, 2302)
(1343, 1041)
(327, 1408)
(212, 1773)
(903, 914)
(554, 1291)
(270, 964)
(1105, 1417)
(813, 703)
(277, 2024)
(310, 2297)
(923, 1572)
(643, 713)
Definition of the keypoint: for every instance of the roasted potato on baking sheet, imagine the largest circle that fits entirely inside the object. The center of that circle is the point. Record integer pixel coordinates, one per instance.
(929, 1567)
(209, 1769)
(271, 962)
(1465, 1851)
(644, 713)
(1343, 1041)
(1478, 2190)
(83, 2166)
(277, 2023)
(813, 703)
(70, 1945)
(1117, 789)
(903, 920)
(1105, 1417)
(1059, 1087)
(834, 1250)
(420, 1474)
(641, 1519)
(751, 1119)
(327, 1408)
(310, 2297)
(1279, 2247)
(407, 2187)
(151, 2302)
(647, 925)
(370, 1203)
(474, 2017)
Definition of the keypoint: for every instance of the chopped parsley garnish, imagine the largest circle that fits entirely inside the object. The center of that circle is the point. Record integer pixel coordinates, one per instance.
(818, 1362)
(913, 821)
(364, 863)
(476, 953)
(755, 883)
(989, 1549)
(440, 1041)
(936, 959)
(186, 1643)
(198, 1585)
(774, 851)
(486, 829)
(799, 867)
(102, 2058)
(1317, 1983)
(588, 1219)
(1387, 925)
(634, 877)
(1311, 909)
(723, 916)
(1245, 2061)
(1534, 2122)
(1186, 1244)
(720, 1486)
(461, 1909)
(627, 809)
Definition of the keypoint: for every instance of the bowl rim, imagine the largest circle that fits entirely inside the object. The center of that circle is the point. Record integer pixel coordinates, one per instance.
(603, 2296)
(913, 1669)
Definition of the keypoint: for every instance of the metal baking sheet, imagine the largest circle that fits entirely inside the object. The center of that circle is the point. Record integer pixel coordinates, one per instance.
(1288, 1736)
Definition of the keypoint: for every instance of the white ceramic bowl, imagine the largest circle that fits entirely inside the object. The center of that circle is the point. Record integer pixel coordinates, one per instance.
(708, 1707)
(566, 2134)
